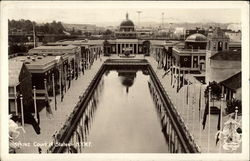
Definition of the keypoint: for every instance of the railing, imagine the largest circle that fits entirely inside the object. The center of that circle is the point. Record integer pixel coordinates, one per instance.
(187, 142)
(67, 130)
(182, 50)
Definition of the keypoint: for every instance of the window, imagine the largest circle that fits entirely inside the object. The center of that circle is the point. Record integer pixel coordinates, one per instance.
(225, 45)
(220, 46)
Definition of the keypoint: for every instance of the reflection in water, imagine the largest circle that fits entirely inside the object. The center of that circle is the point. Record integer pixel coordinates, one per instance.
(123, 123)
(127, 78)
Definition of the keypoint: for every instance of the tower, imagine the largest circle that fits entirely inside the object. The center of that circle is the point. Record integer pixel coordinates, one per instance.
(217, 42)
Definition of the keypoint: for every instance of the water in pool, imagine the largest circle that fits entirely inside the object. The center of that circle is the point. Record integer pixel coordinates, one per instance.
(125, 118)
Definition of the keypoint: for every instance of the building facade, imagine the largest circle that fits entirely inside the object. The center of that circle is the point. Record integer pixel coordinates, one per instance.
(192, 55)
(19, 84)
(126, 39)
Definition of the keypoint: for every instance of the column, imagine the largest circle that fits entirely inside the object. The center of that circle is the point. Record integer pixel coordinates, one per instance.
(15, 94)
(117, 52)
(192, 61)
(137, 46)
(121, 48)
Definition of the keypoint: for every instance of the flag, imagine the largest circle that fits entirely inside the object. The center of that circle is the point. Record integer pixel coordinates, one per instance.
(178, 83)
(218, 127)
(171, 76)
(199, 102)
(79, 139)
(174, 81)
(205, 114)
(219, 120)
(217, 137)
(181, 84)
(81, 131)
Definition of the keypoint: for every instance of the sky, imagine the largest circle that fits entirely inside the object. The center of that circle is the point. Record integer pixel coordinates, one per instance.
(112, 13)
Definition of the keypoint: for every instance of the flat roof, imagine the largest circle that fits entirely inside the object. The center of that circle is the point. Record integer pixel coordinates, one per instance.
(68, 47)
(40, 65)
(77, 42)
(233, 82)
(14, 72)
(227, 55)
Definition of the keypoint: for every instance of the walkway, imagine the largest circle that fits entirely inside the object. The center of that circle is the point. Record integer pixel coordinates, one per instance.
(49, 126)
(191, 114)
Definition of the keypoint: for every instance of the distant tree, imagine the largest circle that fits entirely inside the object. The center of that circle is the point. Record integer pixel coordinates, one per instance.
(108, 32)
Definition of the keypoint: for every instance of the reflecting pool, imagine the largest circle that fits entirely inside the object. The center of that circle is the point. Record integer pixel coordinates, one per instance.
(121, 117)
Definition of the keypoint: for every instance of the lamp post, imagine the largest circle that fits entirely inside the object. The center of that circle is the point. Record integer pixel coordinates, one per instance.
(209, 96)
(21, 99)
(54, 90)
(34, 89)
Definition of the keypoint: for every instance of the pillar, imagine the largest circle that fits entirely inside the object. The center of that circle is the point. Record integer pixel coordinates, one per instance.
(192, 61)
(137, 46)
(117, 52)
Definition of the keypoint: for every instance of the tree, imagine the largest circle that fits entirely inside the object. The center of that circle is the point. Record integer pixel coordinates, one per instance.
(232, 104)
(215, 90)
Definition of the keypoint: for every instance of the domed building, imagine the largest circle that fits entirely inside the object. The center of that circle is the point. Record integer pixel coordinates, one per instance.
(192, 55)
(126, 40)
(196, 41)
(126, 29)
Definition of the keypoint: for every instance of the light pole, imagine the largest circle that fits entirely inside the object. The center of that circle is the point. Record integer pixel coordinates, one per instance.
(54, 90)
(21, 99)
(34, 36)
(162, 14)
(209, 97)
(34, 88)
(139, 12)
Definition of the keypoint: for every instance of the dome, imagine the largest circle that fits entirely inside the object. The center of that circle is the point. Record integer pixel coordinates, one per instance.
(196, 38)
(127, 23)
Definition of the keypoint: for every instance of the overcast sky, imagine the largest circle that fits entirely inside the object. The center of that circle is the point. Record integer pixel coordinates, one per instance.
(112, 13)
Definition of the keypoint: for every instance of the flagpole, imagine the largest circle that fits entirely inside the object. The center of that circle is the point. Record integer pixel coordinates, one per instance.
(209, 96)
(194, 105)
(60, 81)
(21, 98)
(34, 88)
(15, 101)
(188, 100)
(236, 113)
(221, 97)
(183, 93)
(200, 104)
(54, 91)
(179, 78)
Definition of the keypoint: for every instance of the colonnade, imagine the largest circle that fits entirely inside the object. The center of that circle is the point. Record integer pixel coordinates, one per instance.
(136, 48)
